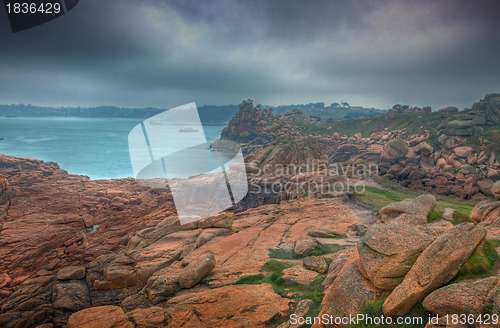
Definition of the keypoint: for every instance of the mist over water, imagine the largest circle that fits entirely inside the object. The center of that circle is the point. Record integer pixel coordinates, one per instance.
(94, 147)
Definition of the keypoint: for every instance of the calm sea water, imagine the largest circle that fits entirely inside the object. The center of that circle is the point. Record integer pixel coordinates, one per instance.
(97, 148)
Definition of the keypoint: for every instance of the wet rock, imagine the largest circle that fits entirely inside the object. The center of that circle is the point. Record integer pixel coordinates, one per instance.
(388, 251)
(437, 265)
(71, 273)
(100, 317)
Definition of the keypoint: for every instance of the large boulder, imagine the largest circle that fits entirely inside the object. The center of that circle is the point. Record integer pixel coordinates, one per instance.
(197, 270)
(70, 296)
(485, 186)
(437, 265)
(100, 317)
(315, 263)
(304, 244)
(490, 106)
(148, 318)
(227, 306)
(414, 211)
(467, 297)
(495, 190)
(462, 151)
(487, 212)
(163, 284)
(460, 128)
(394, 150)
(388, 251)
(349, 293)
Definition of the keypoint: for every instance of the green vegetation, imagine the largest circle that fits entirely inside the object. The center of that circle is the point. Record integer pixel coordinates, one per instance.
(374, 310)
(274, 276)
(320, 249)
(274, 266)
(394, 192)
(482, 263)
(315, 294)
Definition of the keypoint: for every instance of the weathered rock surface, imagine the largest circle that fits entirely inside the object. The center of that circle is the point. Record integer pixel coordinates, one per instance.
(388, 251)
(487, 212)
(315, 263)
(394, 150)
(229, 306)
(195, 271)
(338, 262)
(300, 312)
(437, 265)
(469, 297)
(413, 211)
(148, 318)
(71, 273)
(350, 291)
(6, 193)
(304, 244)
(100, 317)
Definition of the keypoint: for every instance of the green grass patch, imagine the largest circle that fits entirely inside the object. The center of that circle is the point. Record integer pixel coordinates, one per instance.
(393, 192)
(459, 217)
(274, 266)
(374, 310)
(434, 216)
(255, 279)
(481, 264)
(315, 294)
(320, 249)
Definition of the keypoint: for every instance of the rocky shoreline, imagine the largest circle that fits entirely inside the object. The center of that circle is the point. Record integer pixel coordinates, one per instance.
(111, 253)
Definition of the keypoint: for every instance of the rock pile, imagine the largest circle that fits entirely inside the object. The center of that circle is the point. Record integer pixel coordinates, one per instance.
(405, 260)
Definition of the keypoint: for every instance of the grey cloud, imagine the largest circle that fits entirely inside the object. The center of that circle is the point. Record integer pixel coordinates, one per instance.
(165, 53)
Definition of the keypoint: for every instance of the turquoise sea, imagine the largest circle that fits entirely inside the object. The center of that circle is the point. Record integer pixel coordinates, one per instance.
(96, 147)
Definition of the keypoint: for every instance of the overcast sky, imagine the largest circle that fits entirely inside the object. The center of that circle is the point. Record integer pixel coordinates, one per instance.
(167, 53)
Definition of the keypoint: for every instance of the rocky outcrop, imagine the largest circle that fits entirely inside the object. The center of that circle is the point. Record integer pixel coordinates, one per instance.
(490, 106)
(5, 197)
(388, 251)
(469, 297)
(413, 211)
(437, 265)
(100, 317)
(350, 291)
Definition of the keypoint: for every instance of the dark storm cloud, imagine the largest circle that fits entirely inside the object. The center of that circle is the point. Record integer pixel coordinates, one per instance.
(166, 53)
